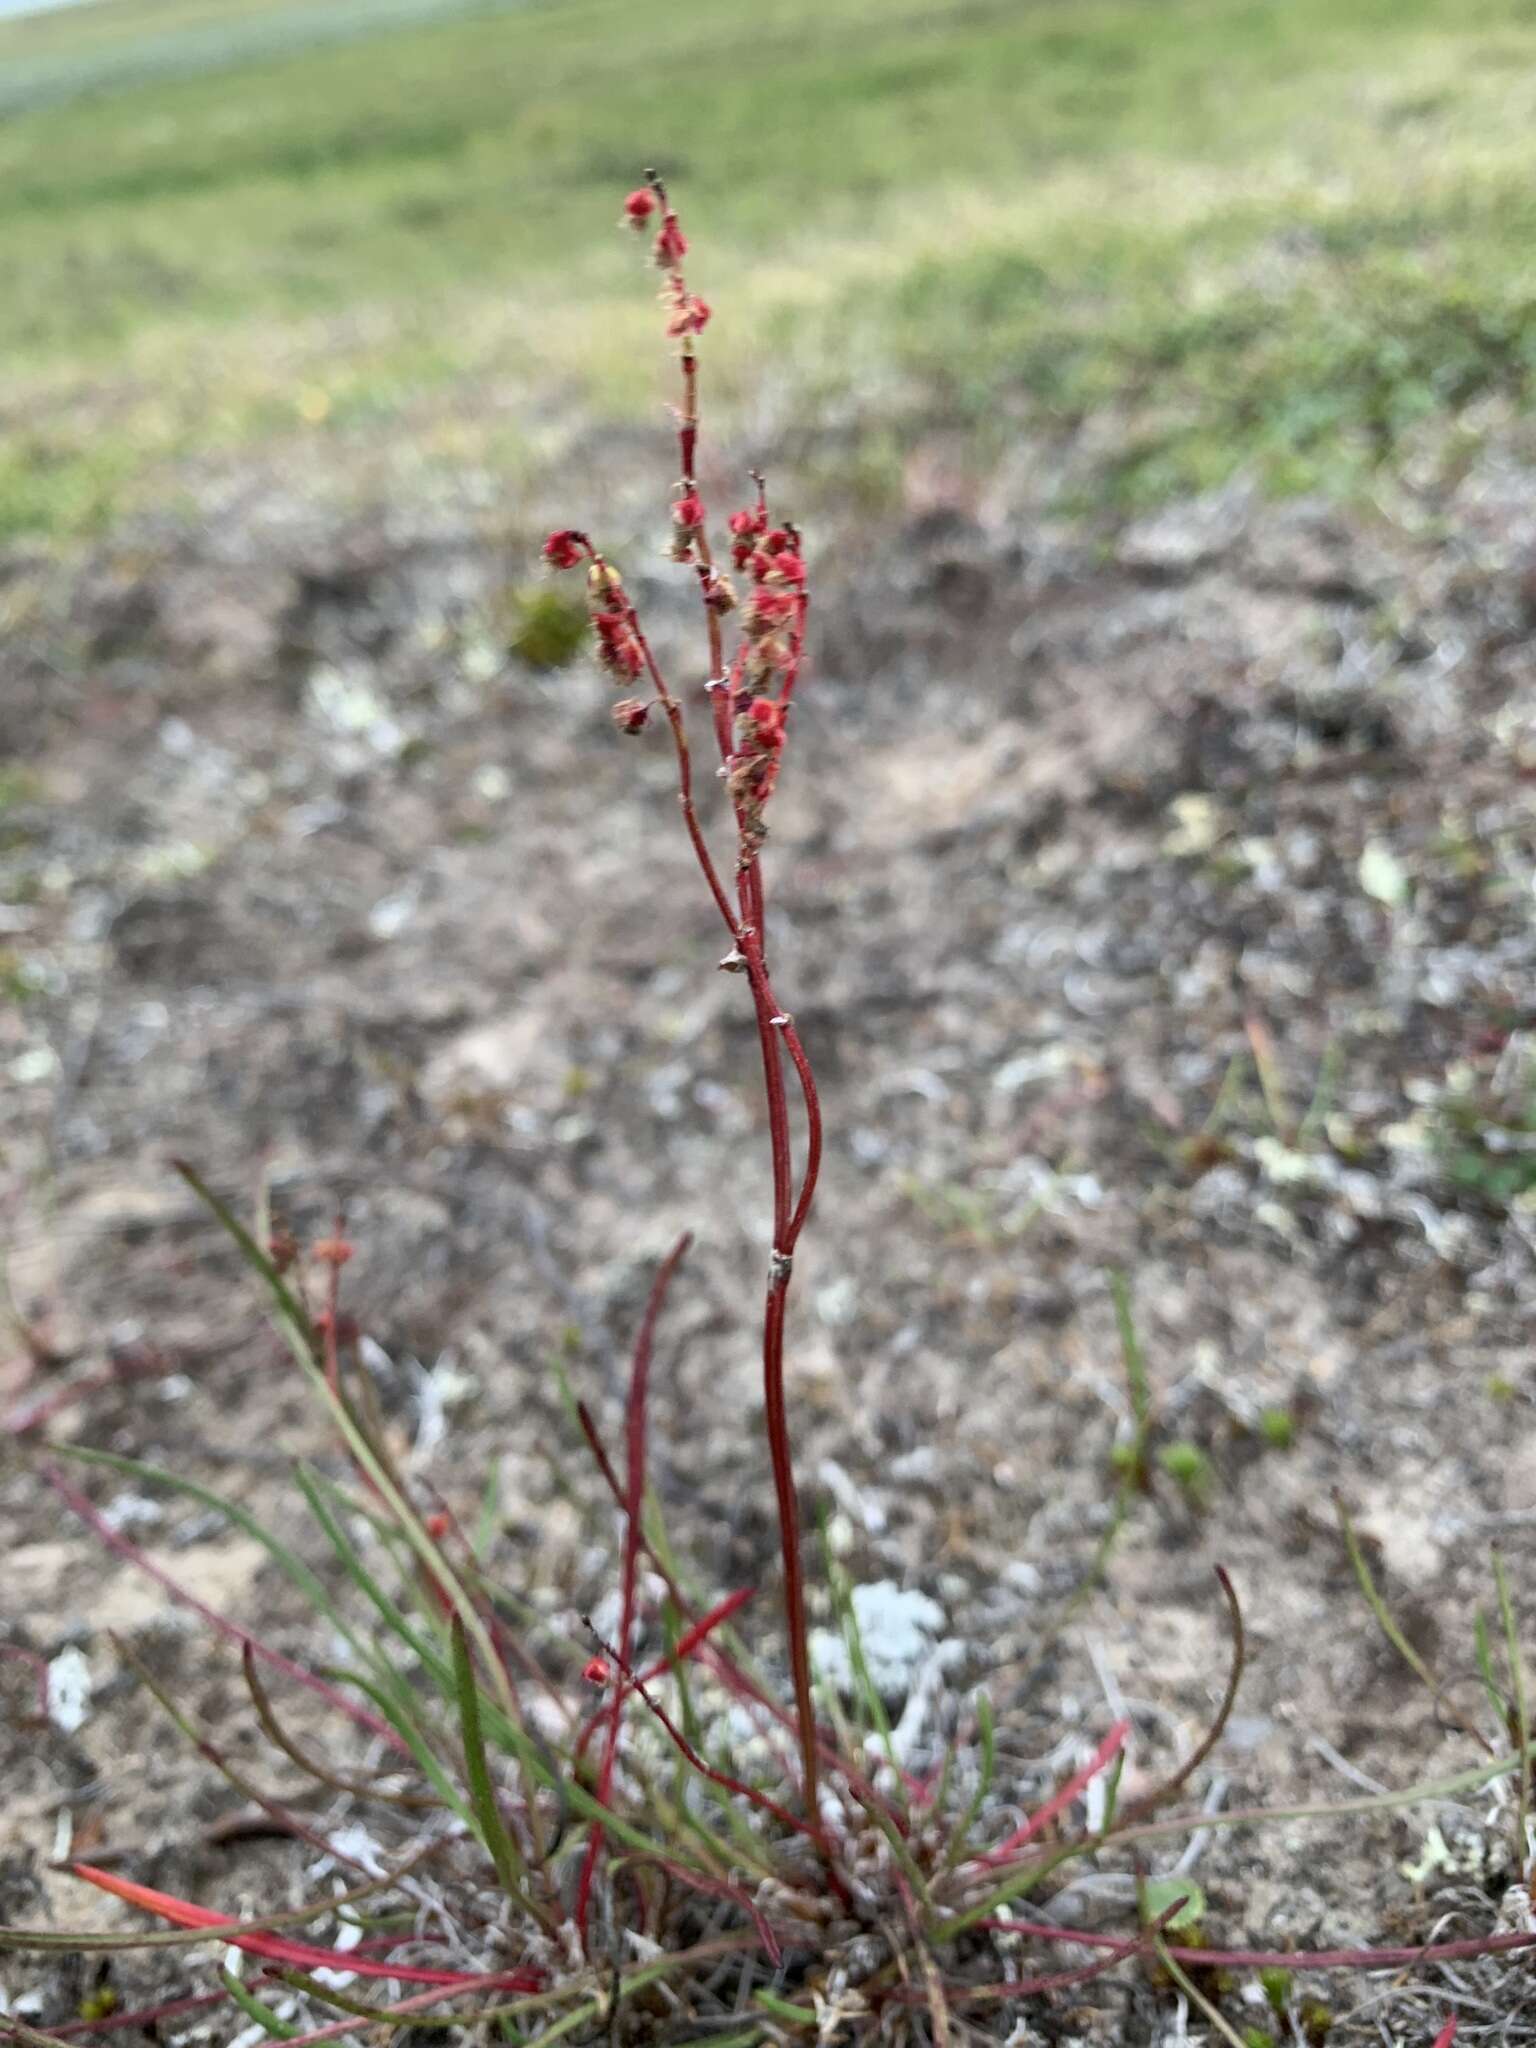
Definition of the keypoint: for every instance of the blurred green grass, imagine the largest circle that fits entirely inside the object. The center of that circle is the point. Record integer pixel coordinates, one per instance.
(1281, 235)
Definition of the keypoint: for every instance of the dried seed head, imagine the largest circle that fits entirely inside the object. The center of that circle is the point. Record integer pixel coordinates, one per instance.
(630, 714)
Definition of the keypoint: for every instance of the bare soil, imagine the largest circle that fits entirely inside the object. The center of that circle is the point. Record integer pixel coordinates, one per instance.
(304, 878)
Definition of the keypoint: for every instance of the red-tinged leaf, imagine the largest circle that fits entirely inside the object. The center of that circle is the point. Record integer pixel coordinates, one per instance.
(1105, 1754)
(184, 1913)
(114, 1539)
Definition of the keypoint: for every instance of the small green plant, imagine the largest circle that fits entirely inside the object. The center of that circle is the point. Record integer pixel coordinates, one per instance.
(545, 628)
(1189, 1468)
(1277, 1426)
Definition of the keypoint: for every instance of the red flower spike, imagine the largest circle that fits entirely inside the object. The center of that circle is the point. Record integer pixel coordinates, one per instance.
(787, 566)
(639, 206)
(688, 512)
(563, 550)
(596, 1672)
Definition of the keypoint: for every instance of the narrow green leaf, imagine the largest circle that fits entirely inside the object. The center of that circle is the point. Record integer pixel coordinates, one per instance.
(492, 1828)
(289, 1307)
(1517, 1687)
(1385, 1620)
(253, 2008)
(960, 1833)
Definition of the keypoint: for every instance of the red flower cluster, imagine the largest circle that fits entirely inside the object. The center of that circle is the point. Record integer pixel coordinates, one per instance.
(745, 527)
(630, 714)
(690, 313)
(768, 611)
(688, 513)
(755, 766)
(564, 550)
(596, 1672)
(331, 1251)
(639, 206)
(767, 718)
(618, 647)
(671, 243)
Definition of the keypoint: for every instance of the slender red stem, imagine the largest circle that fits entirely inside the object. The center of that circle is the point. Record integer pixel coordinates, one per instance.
(125, 1547)
(634, 1511)
(1465, 1950)
(687, 1643)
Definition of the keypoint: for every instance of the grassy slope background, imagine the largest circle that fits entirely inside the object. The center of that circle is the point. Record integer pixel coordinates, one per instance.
(1282, 236)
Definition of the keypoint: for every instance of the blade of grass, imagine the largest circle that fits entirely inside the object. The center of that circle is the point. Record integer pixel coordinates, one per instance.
(1517, 1687)
(491, 1826)
(281, 1740)
(1195, 1995)
(252, 2007)
(1387, 1623)
(274, 1810)
(960, 1833)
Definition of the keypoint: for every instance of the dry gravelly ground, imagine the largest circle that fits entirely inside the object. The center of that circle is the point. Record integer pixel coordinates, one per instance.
(304, 874)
